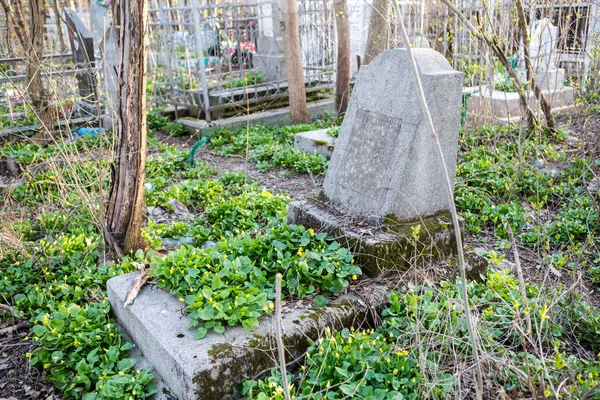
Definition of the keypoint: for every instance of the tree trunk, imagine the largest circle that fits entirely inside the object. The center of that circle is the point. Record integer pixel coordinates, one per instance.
(378, 30)
(40, 98)
(293, 61)
(31, 37)
(342, 80)
(546, 108)
(126, 199)
(16, 21)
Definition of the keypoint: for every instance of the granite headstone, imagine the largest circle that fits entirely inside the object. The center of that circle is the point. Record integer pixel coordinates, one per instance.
(385, 161)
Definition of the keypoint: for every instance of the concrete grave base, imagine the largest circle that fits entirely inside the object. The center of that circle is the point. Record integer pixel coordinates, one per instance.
(215, 366)
(312, 142)
(504, 108)
(278, 117)
(387, 244)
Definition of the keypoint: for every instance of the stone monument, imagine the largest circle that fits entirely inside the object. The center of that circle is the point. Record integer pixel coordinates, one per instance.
(385, 194)
(543, 55)
(82, 46)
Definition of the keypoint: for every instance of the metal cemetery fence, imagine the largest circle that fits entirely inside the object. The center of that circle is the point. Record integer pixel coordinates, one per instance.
(69, 75)
(578, 24)
(221, 57)
(211, 57)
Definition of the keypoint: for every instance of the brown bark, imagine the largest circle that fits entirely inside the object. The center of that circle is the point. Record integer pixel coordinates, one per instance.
(126, 199)
(40, 98)
(546, 108)
(293, 61)
(378, 30)
(31, 35)
(16, 20)
(342, 80)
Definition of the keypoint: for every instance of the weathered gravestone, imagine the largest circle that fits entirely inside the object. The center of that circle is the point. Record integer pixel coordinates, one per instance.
(82, 46)
(384, 193)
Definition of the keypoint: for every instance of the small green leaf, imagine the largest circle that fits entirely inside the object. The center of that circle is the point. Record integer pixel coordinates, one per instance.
(218, 328)
(40, 330)
(320, 301)
(113, 354)
(200, 333)
(125, 364)
(278, 245)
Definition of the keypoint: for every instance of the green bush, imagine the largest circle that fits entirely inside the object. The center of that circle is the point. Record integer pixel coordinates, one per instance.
(160, 123)
(60, 288)
(272, 147)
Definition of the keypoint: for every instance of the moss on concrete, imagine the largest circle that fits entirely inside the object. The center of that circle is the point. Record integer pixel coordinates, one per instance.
(392, 244)
(218, 351)
(231, 366)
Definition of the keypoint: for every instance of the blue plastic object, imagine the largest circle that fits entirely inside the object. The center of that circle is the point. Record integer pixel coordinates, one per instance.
(86, 131)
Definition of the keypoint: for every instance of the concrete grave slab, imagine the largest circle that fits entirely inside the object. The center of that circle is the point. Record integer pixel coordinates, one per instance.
(318, 141)
(280, 116)
(504, 108)
(215, 366)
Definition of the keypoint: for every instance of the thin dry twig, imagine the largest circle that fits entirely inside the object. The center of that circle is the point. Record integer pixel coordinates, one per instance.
(6, 308)
(140, 280)
(15, 328)
(279, 336)
(450, 192)
(513, 242)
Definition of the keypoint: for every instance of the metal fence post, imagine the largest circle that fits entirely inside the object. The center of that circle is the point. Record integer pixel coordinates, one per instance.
(200, 51)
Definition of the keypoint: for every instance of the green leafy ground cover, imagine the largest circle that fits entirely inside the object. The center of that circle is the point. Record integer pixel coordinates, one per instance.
(56, 282)
(29, 153)
(8, 119)
(272, 147)
(56, 276)
(422, 345)
(505, 174)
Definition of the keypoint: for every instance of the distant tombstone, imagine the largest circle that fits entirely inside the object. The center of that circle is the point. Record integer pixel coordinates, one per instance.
(543, 55)
(544, 43)
(82, 46)
(385, 161)
(100, 20)
(269, 58)
(385, 179)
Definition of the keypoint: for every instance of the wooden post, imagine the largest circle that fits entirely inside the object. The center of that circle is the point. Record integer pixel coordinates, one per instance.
(126, 199)
(293, 60)
(342, 80)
